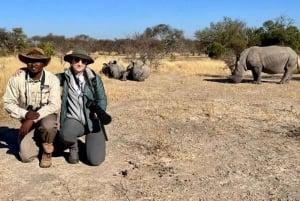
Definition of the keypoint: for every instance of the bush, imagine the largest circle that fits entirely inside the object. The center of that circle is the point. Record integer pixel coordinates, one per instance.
(48, 48)
(215, 50)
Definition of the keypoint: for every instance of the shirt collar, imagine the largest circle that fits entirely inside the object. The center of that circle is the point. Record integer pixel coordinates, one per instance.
(29, 79)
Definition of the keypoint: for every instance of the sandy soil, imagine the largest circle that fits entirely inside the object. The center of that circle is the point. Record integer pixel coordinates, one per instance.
(176, 138)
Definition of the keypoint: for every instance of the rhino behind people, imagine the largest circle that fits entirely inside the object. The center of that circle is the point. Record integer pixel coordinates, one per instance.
(136, 71)
(269, 59)
(113, 69)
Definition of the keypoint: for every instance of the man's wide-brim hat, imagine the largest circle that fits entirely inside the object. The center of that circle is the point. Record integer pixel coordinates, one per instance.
(79, 53)
(34, 54)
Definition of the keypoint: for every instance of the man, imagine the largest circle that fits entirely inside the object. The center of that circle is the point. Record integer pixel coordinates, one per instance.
(34, 98)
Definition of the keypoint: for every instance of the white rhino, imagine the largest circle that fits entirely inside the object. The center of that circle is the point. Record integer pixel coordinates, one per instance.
(113, 69)
(136, 71)
(269, 59)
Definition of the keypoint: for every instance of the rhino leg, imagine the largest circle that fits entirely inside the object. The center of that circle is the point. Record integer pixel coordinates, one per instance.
(286, 76)
(256, 72)
(124, 76)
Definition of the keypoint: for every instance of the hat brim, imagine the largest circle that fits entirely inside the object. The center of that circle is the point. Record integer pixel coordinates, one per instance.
(69, 58)
(26, 59)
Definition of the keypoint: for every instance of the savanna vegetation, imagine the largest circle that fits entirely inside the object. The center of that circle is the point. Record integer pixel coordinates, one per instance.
(221, 39)
(183, 134)
(164, 48)
(205, 66)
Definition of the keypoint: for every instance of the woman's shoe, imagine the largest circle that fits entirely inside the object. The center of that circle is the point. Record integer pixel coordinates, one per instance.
(73, 156)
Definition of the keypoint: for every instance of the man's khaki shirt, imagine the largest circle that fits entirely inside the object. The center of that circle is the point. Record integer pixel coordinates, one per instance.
(21, 91)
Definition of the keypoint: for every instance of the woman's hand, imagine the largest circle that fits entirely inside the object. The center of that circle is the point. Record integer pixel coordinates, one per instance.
(18, 72)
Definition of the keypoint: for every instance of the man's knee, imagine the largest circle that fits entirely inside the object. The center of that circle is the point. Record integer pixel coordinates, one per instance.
(28, 149)
(49, 125)
(25, 158)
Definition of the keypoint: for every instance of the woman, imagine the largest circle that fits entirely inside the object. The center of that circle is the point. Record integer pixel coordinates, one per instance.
(81, 87)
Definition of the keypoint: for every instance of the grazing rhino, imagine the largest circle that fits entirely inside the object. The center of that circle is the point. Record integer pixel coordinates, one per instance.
(270, 59)
(113, 69)
(136, 71)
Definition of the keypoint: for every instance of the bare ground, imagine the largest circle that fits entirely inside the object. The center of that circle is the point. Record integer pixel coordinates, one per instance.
(177, 138)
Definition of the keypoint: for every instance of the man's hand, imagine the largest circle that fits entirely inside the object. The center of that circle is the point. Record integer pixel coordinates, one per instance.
(25, 127)
(31, 115)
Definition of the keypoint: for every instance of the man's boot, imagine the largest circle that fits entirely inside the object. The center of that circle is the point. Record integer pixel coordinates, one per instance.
(47, 155)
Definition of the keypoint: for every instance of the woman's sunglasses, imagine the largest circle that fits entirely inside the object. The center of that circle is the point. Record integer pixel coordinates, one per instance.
(76, 60)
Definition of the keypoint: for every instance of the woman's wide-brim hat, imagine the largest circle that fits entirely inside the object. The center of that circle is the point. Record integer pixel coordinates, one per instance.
(34, 54)
(79, 53)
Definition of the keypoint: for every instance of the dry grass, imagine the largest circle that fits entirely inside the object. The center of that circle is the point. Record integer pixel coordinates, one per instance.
(176, 136)
(203, 66)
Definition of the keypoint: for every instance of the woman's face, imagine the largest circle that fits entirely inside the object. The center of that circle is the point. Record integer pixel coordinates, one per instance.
(78, 64)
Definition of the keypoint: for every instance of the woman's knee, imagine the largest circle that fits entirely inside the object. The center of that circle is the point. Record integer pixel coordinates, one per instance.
(95, 155)
(95, 148)
(67, 139)
(70, 130)
(96, 161)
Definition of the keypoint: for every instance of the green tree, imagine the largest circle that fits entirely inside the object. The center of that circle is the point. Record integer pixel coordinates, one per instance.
(48, 48)
(16, 41)
(280, 32)
(170, 38)
(254, 36)
(293, 38)
(215, 50)
(3, 42)
(230, 34)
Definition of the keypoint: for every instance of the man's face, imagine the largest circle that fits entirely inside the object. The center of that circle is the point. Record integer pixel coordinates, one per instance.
(35, 66)
(78, 64)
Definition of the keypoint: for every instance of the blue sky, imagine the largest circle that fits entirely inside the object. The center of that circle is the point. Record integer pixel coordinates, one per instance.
(114, 19)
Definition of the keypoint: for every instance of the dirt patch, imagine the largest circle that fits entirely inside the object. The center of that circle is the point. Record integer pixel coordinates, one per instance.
(177, 138)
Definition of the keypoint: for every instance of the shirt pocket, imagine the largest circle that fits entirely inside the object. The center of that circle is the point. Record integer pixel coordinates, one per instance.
(45, 93)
